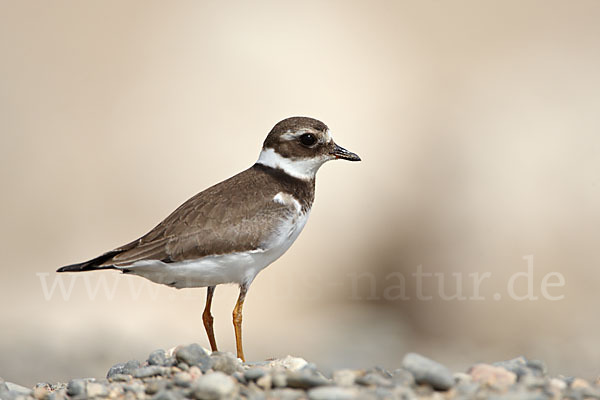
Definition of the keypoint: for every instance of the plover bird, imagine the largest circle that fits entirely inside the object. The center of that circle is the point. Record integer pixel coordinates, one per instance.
(231, 231)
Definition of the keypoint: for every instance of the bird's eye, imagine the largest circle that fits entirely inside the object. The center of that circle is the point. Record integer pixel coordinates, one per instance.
(308, 139)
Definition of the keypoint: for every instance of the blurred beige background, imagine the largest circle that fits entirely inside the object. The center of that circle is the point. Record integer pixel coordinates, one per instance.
(479, 127)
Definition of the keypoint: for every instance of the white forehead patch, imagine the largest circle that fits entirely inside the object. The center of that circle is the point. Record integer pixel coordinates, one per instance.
(301, 168)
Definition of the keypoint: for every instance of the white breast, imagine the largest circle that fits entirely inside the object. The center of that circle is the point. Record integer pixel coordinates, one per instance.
(237, 268)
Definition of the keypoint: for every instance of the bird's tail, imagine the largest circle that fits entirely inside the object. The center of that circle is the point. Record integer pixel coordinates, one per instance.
(93, 264)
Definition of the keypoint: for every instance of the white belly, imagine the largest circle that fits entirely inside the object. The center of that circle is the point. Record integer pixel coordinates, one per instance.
(240, 268)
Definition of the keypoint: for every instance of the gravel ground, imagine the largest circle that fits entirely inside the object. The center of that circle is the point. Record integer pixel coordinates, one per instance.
(192, 372)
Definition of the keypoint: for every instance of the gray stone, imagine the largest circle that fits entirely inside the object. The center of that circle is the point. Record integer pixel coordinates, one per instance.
(517, 365)
(158, 357)
(134, 387)
(402, 377)
(119, 378)
(279, 379)
(194, 354)
(304, 380)
(225, 362)
(123, 368)
(253, 374)
(537, 367)
(168, 395)
(76, 387)
(332, 393)
(3, 386)
(214, 386)
(156, 385)
(239, 376)
(429, 372)
(146, 372)
(374, 379)
(183, 379)
(287, 394)
(13, 387)
(345, 377)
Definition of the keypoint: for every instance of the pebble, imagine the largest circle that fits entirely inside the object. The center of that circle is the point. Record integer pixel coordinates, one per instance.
(264, 382)
(76, 387)
(95, 389)
(40, 393)
(304, 380)
(225, 362)
(146, 372)
(345, 377)
(191, 372)
(216, 385)
(194, 355)
(287, 394)
(332, 393)
(123, 368)
(158, 357)
(252, 374)
(168, 395)
(517, 365)
(289, 363)
(491, 375)
(429, 372)
(183, 379)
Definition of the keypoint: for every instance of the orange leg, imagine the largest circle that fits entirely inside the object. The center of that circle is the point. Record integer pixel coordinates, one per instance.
(237, 321)
(207, 318)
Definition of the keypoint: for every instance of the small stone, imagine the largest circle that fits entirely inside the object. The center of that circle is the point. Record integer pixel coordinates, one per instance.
(216, 385)
(194, 354)
(123, 368)
(517, 365)
(195, 372)
(461, 377)
(304, 380)
(40, 393)
(426, 371)
(345, 377)
(279, 379)
(95, 389)
(287, 394)
(119, 378)
(537, 367)
(253, 374)
(76, 387)
(290, 363)
(183, 379)
(168, 395)
(134, 387)
(486, 374)
(579, 383)
(155, 386)
(265, 382)
(22, 390)
(332, 393)
(183, 366)
(158, 357)
(558, 384)
(402, 377)
(146, 372)
(374, 379)
(225, 362)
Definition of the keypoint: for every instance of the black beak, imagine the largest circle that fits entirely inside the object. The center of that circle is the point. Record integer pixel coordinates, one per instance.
(341, 153)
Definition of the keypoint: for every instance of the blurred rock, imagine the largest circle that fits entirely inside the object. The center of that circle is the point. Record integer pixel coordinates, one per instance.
(429, 372)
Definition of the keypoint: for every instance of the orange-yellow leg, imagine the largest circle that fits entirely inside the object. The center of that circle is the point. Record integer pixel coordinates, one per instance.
(207, 318)
(237, 321)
